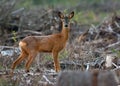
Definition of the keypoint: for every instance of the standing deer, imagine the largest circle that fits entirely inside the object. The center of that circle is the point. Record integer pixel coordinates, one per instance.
(32, 45)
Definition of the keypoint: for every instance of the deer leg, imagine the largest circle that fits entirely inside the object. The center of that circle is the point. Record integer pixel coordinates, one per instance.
(18, 60)
(56, 61)
(30, 60)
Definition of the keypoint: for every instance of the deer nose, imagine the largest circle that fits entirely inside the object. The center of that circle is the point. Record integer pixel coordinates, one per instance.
(66, 25)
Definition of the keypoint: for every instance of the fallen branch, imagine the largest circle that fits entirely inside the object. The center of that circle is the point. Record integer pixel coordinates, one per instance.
(115, 65)
(118, 68)
(47, 80)
(112, 45)
(11, 47)
(17, 11)
(34, 32)
(88, 66)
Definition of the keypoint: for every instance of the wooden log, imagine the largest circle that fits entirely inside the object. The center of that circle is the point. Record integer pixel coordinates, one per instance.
(80, 78)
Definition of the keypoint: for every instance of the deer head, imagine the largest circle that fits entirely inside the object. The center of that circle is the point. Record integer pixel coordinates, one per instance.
(65, 19)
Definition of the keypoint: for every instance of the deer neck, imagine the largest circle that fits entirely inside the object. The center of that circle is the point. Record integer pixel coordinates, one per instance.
(65, 33)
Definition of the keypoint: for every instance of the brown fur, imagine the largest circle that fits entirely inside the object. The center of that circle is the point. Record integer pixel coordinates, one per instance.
(32, 45)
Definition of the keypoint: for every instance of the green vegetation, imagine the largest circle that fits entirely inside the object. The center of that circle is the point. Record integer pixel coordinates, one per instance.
(14, 36)
(86, 11)
(1, 66)
(62, 55)
(7, 82)
(48, 57)
(55, 3)
(89, 17)
(48, 3)
(116, 52)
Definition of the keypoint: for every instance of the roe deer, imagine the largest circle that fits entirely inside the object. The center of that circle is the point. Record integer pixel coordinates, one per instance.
(32, 45)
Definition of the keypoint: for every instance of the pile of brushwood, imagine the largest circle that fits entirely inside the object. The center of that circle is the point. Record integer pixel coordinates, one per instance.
(15, 24)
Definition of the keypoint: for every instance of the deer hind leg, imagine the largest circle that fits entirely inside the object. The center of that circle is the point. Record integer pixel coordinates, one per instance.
(18, 60)
(30, 60)
(56, 62)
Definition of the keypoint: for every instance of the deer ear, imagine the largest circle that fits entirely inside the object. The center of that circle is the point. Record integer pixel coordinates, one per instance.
(60, 15)
(71, 15)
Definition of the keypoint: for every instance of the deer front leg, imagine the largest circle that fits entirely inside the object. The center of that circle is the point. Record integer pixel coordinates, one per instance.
(56, 61)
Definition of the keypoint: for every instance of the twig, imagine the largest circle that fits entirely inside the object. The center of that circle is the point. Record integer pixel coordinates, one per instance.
(88, 66)
(34, 32)
(116, 68)
(112, 45)
(47, 79)
(17, 11)
(11, 47)
(117, 24)
(115, 65)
